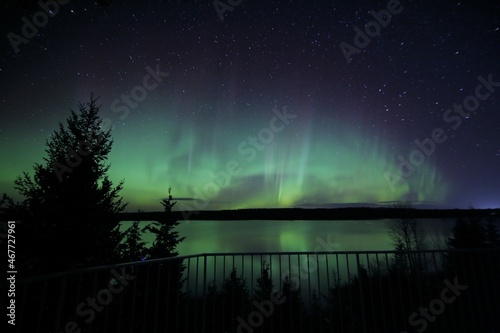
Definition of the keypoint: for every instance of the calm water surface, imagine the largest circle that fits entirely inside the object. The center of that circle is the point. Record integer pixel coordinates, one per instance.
(264, 235)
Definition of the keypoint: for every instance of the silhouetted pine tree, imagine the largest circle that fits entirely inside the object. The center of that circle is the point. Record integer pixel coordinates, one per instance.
(235, 300)
(263, 300)
(491, 265)
(474, 268)
(70, 200)
(291, 315)
(13, 210)
(318, 321)
(213, 309)
(133, 248)
(264, 284)
(160, 285)
(166, 237)
(337, 301)
(467, 234)
(68, 214)
(7, 206)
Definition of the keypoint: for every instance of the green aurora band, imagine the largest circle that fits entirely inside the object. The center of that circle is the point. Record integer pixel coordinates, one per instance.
(303, 164)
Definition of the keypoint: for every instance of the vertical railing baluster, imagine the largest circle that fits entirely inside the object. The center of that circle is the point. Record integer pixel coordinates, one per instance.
(178, 293)
(223, 295)
(79, 288)
(409, 277)
(318, 293)
(204, 314)
(328, 293)
(400, 272)
(252, 276)
(24, 295)
(134, 297)
(308, 284)
(42, 305)
(272, 279)
(107, 309)
(60, 304)
(392, 297)
(215, 319)
(340, 307)
(168, 297)
(157, 293)
(146, 292)
(474, 292)
(184, 299)
(195, 305)
(120, 309)
(493, 255)
(374, 309)
(383, 305)
(350, 287)
(280, 287)
(289, 302)
(361, 295)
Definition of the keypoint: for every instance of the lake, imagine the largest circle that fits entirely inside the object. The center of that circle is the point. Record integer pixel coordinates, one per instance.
(300, 235)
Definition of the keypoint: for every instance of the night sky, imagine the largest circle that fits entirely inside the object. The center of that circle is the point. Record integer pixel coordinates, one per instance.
(282, 103)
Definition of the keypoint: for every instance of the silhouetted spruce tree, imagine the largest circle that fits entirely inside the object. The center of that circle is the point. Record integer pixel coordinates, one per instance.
(291, 314)
(467, 234)
(235, 300)
(335, 302)
(70, 200)
(491, 264)
(213, 309)
(166, 237)
(7, 206)
(262, 296)
(317, 319)
(264, 284)
(8, 211)
(160, 285)
(477, 270)
(67, 213)
(133, 248)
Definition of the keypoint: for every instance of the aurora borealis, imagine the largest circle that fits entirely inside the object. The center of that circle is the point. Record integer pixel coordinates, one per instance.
(215, 128)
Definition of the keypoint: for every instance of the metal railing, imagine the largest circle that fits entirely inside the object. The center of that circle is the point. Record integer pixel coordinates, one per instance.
(375, 291)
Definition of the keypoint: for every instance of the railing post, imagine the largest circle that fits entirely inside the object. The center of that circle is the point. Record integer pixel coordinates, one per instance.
(361, 296)
(204, 320)
(59, 308)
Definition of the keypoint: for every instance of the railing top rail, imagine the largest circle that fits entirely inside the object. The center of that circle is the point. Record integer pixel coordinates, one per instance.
(241, 254)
